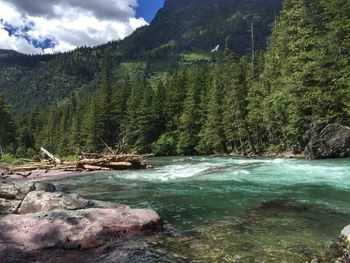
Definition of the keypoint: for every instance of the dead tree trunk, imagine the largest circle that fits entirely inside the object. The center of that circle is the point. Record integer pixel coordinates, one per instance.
(50, 155)
(253, 45)
(109, 148)
(1, 152)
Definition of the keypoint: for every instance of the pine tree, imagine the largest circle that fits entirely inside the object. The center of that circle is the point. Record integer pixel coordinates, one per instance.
(7, 127)
(176, 90)
(158, 109)
(120, 102)
(235, 104)
(189, 122)
(212, 135)
(106, 116)
(130, 126)
(145, 121)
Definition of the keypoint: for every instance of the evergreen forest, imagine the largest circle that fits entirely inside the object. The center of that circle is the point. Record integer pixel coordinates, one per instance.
(264, 100)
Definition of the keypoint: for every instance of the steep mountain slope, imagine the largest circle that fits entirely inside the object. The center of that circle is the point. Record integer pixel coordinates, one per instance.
(198, 24)
(183, 32)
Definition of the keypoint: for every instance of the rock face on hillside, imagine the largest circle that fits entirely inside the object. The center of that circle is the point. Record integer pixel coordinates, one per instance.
(40, 219)
(332, 142)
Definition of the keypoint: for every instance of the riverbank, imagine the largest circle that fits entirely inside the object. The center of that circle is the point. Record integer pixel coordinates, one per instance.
(39, 221)
(50, 169)
(286, 154)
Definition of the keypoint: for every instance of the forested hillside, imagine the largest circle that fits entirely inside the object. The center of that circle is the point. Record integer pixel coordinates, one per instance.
(182, 34)
(255, 102)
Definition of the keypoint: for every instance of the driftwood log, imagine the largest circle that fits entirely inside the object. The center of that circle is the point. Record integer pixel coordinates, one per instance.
(46, 153)
(103, 163)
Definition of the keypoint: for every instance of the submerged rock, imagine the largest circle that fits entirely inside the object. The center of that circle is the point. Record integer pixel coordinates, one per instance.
(332, 142)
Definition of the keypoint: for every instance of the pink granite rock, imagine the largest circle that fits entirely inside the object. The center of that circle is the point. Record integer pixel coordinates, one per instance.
(80, 229)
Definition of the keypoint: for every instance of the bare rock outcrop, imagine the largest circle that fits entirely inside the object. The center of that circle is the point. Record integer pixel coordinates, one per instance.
(72, 229)
(332, 142)
(39, 219)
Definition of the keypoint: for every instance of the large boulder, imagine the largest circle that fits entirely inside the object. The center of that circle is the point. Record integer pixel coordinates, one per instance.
(15, 190)
(332, 142)
(12, 193)
(44, 219)
(345, 233)
(343, 246)
(46, 201)
(72, 229)
(9, 206)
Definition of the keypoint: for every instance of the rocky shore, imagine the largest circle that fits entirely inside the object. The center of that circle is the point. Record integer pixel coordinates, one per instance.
(37, 219)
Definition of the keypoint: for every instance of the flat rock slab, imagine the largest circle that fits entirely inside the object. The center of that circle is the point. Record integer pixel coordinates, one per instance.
(80, 229)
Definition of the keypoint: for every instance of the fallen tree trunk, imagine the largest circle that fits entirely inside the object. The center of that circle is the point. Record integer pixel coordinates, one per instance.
(50, 155)
(96, 168)
(103, 163)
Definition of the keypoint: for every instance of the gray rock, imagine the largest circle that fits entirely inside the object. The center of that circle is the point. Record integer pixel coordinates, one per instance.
(345, 233)
(332, 142)
(45, 201)
(46, 187)
(15, 190)
(12, 193)
(8, 206)
(37, 201)
(101, 204)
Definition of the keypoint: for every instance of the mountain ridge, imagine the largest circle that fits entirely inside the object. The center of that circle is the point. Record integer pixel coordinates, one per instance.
(182, 33)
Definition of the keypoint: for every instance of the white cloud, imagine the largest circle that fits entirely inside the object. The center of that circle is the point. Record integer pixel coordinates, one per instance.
(69, 23)
(15, 43)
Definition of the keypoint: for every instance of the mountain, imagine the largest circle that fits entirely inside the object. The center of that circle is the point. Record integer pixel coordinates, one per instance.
(194, 25)
(209, 103)
(182, 33)
(7, 53)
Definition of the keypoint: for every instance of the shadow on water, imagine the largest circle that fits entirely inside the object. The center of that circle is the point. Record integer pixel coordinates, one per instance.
(224, 210)
(279, 230)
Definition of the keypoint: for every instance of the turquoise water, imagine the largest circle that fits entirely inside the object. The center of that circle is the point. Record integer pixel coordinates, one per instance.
(224, 209)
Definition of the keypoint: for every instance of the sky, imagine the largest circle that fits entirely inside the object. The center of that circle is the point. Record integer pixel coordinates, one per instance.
(51, 26)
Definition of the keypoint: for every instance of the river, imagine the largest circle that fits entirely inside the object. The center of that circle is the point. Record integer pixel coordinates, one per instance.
(224, 209)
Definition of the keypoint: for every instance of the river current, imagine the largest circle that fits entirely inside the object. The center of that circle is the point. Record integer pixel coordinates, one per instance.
(225, 209)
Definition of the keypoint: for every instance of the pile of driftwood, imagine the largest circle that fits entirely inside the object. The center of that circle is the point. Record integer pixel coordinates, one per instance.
(111, 162)
(85, 162)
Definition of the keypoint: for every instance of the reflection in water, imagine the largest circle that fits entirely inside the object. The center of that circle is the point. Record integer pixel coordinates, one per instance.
(228, 210)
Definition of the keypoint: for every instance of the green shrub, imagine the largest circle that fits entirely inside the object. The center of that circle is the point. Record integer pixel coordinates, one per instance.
(165, 145)
(21, 152)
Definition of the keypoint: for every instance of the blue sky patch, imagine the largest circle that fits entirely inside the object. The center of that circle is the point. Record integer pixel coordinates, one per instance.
(22, 32)
(148, 8)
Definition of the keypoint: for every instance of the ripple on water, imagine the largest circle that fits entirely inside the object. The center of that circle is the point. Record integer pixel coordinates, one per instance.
(224, 209)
